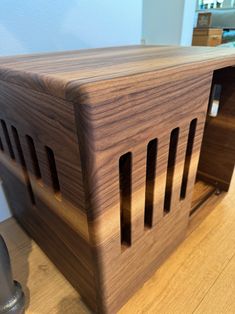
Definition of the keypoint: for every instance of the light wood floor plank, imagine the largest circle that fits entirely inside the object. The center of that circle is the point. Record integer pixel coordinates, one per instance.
(220, 298)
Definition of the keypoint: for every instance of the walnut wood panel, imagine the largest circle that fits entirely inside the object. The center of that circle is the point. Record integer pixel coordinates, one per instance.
(61, 73)
(45, 213)
(98, 154)
(116, 129)
(218, 150)
(50, 122)
(63, 251)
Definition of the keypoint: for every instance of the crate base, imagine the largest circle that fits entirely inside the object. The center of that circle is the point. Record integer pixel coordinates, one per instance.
(36, 228)
(62, 252)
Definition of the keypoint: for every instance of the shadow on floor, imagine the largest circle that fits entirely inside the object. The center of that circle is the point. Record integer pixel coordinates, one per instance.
(72, 305)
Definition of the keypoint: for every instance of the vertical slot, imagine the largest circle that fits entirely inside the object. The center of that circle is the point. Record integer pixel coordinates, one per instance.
(23, 164)
(189, 150)
(170, 168)
(150, 182)
(1, 145)
(125, 168)
(34, 157)
(7, 138)
(53, 171)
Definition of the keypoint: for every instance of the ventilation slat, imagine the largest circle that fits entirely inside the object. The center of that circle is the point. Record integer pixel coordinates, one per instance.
(125, 168)
(23, 164)
(34, 157)
(1, 145)
(170, 168)
(53, 171)
(189, 150)
(7, 139)
(150, 182)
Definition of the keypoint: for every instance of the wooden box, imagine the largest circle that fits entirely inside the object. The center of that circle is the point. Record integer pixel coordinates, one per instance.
(99, 152)
(204, 19)
(207, 37)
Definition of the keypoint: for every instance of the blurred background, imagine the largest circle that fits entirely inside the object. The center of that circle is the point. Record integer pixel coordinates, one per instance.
(48, 25)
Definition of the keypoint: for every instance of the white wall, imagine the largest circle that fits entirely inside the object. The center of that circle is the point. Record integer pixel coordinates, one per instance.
(30, 26)
(48, 25)
(4, 209)
(168, 22)
(188, 22)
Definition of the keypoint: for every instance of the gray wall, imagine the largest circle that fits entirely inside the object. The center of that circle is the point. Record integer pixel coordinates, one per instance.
(47, 25)
(168, 22)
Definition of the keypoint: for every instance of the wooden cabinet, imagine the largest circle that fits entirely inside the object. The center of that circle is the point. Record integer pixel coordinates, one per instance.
(99, 151)
(207, 37)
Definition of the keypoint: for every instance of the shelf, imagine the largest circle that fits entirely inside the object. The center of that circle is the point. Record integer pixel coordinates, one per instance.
(215, 9)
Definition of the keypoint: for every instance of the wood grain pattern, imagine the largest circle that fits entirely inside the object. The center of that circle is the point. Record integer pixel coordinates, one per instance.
(48, 292)
(83, 111)
(49, 122)
(61, 73)
(187, 281)
(46, 227)
(107, 122)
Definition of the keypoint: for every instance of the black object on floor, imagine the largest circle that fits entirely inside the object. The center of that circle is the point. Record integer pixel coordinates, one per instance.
(12, 298)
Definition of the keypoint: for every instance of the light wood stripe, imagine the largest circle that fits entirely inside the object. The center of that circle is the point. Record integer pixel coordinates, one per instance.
(75, 217)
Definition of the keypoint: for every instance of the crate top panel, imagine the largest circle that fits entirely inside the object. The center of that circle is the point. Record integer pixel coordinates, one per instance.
(66, 74)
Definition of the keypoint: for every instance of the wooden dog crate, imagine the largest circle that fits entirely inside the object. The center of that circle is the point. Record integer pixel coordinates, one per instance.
(99, 151)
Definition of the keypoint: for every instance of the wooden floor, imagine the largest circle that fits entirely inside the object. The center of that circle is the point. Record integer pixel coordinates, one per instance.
(199, 277)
